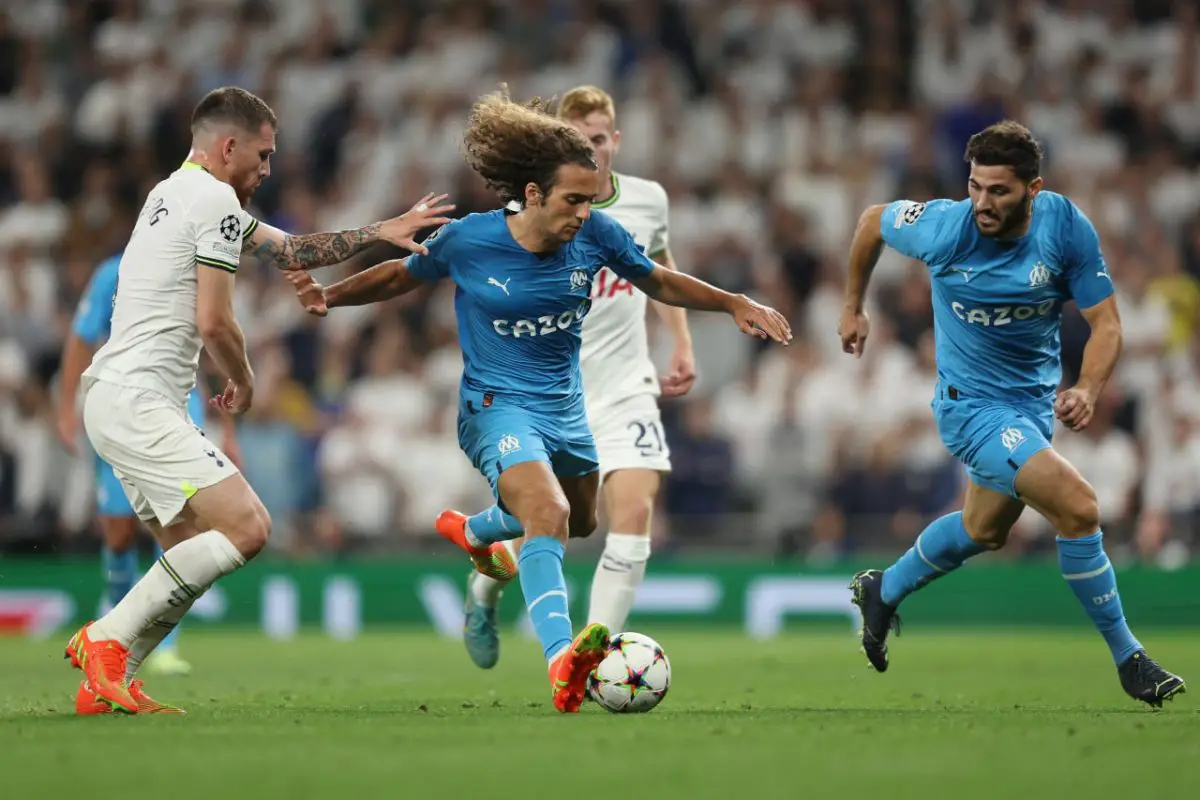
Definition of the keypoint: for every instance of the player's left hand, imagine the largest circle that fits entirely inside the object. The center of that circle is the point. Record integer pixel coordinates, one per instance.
(310, 293)
(681, 376)
(1075, 407)
(763, 322)
(427, 213)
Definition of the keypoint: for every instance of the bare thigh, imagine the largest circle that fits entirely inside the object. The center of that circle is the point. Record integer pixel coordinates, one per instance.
(629, 496)
(233, 508)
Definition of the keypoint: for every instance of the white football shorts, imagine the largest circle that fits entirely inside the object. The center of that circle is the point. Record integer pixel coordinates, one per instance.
(629, 435)
(159, 455)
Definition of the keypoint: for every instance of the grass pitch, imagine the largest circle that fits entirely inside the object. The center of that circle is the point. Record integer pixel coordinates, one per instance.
(405, 715)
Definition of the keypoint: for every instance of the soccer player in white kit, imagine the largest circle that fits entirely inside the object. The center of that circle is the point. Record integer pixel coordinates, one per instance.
(621, 386)
(174, 296)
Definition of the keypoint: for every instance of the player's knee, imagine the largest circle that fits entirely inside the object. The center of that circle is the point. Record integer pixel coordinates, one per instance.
(251, 532)
(989, 537)
(634, 516)
(548, 516)
(1079, 511)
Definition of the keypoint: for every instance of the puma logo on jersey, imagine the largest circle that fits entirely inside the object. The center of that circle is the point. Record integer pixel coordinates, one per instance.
(542, 326)
(1002, 315)
(501, 286)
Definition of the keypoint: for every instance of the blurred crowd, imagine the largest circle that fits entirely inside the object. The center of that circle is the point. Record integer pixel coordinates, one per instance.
(771, 123)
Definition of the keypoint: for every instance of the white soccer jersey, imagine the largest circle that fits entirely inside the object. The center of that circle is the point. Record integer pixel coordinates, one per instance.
(615, 356)
(190, 221)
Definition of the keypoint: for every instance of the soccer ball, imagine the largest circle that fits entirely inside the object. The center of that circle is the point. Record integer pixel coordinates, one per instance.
(633, 678)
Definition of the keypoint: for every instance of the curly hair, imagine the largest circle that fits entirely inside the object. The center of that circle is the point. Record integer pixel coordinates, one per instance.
(511, 144)
(1006, 144)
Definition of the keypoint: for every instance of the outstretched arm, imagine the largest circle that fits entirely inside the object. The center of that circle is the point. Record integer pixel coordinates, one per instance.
(307, 251)
(381, 282)
(684, 291)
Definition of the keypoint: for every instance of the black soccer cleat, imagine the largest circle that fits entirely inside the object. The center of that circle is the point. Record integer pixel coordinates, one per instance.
(1143, 679)
(878, 618)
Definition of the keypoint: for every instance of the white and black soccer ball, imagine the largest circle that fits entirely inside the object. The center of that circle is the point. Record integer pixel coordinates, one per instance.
(633, 678)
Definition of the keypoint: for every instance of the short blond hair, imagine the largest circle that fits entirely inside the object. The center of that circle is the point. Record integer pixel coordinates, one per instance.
(584, 100)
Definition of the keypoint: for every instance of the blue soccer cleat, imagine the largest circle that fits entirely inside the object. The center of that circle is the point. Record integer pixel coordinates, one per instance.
(481, 634)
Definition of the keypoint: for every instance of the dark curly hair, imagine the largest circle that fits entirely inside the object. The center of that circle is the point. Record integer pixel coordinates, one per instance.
(1006, 144)
(512, 144)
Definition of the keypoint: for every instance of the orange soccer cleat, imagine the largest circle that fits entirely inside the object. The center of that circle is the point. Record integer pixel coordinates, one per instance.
(87, 702)
(495, 560)
(570, 669)
(103, 664)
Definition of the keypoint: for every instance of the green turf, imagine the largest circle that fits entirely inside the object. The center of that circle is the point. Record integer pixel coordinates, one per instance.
(965, 715)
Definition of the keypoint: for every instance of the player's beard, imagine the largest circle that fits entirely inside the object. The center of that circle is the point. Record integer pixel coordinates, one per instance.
(1015, 219)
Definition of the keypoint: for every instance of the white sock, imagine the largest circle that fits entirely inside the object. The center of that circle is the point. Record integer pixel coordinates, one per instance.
(618, 575)
(182, 574)
(153, 636)
(486, 590)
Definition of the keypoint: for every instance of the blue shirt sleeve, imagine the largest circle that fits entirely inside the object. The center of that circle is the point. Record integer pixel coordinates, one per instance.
(93, 316)
(925, 231)
(1087, 271)
(435, 266)
(623, 255)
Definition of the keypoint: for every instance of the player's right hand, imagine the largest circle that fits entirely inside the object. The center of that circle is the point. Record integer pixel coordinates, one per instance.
(68, 431)
(236, 399)
(853, 328)
(426, 213)
(762, 322)
(310, 293)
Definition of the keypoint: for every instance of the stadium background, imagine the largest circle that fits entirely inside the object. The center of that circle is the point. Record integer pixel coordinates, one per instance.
(770, 122)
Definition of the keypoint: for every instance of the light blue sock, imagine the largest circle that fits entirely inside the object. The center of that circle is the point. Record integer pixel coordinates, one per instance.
(169, 642)
(1090, 575)
(546, 593)
(941, 548)
(120, 572)
(493, 525)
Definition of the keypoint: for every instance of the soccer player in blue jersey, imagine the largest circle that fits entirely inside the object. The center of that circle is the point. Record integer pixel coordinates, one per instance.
(118, 522)
(523, 283)
(1002, 264)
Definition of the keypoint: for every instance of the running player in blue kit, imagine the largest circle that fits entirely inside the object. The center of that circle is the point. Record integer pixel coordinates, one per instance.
(524, 283)
(118, 522)
(1002, 263)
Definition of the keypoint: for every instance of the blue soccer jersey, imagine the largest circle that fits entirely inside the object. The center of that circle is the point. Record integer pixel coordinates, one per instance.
(997, 304)
(997, 308)
(519, 321)
(520, 313)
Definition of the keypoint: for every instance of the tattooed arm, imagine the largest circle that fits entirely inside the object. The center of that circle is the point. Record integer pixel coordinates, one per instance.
(290, 252)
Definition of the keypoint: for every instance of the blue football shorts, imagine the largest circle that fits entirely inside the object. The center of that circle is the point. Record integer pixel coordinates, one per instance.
(993, 439)
(497, 434)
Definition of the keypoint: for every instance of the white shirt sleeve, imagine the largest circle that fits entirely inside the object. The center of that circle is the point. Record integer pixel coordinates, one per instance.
(659, 239)
(220, 223)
